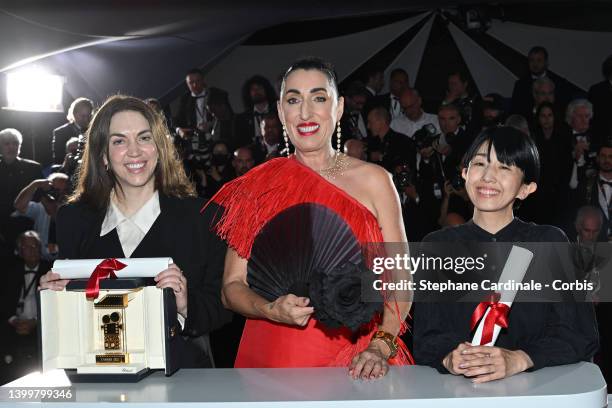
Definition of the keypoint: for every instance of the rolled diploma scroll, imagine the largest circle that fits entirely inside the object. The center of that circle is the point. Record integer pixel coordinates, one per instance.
(136, 267)
(514, 270)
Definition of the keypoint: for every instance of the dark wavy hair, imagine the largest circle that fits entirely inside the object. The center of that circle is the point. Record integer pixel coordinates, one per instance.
(265, 84)
(95, 182)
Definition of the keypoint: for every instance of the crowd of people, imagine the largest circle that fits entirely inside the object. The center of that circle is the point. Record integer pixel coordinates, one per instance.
(204, 146)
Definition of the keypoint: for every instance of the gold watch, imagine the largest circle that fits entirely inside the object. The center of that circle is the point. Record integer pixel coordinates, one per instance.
(389, 339)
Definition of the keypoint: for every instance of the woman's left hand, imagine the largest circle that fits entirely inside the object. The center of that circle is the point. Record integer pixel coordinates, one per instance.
(173, 278)
(494, 363)
(369, 364)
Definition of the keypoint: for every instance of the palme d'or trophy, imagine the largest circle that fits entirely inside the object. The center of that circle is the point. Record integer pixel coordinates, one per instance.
(111, 313)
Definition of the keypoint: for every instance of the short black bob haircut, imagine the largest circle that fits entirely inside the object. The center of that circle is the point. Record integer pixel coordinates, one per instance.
(310, 64)
(512, 147)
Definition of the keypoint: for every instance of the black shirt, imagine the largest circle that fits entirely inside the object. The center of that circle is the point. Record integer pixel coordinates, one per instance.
(550, 333)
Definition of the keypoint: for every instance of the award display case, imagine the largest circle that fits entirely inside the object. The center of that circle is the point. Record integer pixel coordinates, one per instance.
(116, 328)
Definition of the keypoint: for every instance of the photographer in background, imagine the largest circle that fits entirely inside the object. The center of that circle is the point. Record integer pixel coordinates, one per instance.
(493, 112)
(72, 160)
(458, 94)
(419, 207)
(79, 115)
(53, 191)
(196, 123)
(209, 180)
(386, 146)
(455, 134)
(456, 203)
(432, 149)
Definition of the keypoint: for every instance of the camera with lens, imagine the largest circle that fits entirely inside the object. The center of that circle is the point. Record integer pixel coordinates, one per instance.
(403, 178)
(426, 136)
(199, 150)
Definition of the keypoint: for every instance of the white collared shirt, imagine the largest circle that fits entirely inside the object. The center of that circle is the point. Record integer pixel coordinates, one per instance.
(257, 120)
(28, 300)
(201, 106)
(131, 230)
(605, 194)
(396, 108)
(402, 124)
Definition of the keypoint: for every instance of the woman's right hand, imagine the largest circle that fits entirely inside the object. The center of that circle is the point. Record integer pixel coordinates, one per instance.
(51, 280)
(289, 309)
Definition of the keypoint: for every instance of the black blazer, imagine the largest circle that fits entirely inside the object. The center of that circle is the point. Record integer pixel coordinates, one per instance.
(186, 115)
(60, 136)
(11, 288)
(600, 96)
(180, 232)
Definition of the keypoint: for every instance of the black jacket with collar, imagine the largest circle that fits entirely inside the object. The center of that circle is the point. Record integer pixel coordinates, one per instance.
(11, 289)
(180, 232)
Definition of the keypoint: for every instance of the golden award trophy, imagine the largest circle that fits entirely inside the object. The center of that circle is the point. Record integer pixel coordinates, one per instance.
(111, 315)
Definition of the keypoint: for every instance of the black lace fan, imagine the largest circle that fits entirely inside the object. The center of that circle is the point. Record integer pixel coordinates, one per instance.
(309, 250)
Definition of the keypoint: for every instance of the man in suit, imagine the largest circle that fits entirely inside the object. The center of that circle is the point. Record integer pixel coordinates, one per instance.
(15, 172)
(600, 96)
(522, 95)
(19, 313)
(596, 189)
(259, 99)
(386, 146)
(457, 139)
(195, 122)
(79, 115)
(398, 81)
(458, 94)
(585, 146)
(272, 138)
(353, 123)
(374, 81)
(413, 117)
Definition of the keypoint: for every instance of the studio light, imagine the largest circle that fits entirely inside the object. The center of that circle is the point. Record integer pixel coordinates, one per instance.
(34, 90)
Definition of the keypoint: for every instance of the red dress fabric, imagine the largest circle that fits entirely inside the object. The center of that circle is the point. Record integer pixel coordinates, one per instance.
(248, 203)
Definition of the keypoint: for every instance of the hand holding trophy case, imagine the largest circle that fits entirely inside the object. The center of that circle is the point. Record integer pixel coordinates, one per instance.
(111, 323)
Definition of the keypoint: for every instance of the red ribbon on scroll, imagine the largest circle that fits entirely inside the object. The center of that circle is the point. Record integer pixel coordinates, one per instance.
(498, 315)
(105, 269)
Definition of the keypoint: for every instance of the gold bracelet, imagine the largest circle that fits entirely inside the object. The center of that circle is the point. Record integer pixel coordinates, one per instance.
(389, 339)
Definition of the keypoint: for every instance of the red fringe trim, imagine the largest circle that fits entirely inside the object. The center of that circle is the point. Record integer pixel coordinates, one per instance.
(252, 200)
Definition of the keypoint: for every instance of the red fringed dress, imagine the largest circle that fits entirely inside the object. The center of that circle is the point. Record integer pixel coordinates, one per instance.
(248, 203)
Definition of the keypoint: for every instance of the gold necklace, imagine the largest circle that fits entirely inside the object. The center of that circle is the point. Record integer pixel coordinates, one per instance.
(337, 169)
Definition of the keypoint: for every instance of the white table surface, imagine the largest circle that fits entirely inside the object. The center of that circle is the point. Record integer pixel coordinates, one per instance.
(578, 385)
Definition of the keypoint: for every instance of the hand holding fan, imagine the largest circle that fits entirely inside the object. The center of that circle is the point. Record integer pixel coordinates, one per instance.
(309, 250)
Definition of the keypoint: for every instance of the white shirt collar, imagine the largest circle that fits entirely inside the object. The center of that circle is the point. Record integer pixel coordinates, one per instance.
(372, 91)
(204, 93)
(143, 218)
(264, 110)
(26, 268)
(542, 75)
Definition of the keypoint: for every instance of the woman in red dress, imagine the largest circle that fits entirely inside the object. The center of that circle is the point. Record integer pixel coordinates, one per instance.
(283, 333)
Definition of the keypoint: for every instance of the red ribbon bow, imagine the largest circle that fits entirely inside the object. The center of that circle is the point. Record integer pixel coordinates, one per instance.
(498, 315)
(105, 269)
